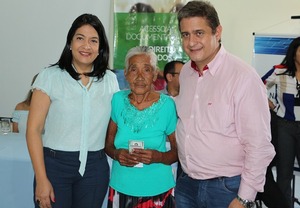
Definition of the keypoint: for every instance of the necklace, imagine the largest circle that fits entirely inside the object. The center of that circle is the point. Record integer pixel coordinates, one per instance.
(83, 74)
(139, 119)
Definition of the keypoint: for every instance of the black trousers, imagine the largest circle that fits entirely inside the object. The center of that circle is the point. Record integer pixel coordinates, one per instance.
(272, 195)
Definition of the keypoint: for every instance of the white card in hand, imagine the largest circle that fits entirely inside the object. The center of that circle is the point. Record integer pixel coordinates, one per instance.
(136, 144)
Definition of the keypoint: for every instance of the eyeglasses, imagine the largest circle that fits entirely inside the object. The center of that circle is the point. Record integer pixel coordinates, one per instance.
(298, 88)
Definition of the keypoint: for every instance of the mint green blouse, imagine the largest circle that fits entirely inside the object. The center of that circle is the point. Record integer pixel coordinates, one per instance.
(78, 115)
(151, 125)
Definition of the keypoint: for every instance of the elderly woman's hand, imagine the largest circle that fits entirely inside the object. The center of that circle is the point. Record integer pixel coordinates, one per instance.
(147, 156)
(125, 158)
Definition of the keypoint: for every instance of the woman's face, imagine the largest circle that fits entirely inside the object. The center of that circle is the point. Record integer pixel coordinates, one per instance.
(140, 74)
(85, 46)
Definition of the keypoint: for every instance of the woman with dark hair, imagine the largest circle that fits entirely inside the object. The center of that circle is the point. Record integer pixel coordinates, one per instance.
(68, 118)
(286, 78)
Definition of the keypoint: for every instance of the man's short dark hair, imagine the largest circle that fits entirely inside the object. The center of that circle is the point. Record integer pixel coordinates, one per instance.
(170, 68)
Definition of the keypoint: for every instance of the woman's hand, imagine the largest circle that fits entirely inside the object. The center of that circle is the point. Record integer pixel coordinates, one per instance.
(125, 158)
(44, 193)
(272, 106)
(147, 156)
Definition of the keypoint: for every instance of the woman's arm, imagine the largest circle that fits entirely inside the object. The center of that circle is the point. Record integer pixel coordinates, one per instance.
(121, 155)
(171, 156)
(110, 138)
(15, 127)
(39, 107)
(272, 106)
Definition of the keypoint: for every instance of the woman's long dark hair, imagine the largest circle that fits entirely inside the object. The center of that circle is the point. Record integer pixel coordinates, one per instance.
(289, 59)
(101, 62)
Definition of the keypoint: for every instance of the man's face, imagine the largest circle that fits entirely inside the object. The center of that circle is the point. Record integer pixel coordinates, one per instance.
(198, 40)
(175, 80)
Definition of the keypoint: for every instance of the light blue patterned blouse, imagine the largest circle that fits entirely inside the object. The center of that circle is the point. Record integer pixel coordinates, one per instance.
(20, 117)
(78, 115)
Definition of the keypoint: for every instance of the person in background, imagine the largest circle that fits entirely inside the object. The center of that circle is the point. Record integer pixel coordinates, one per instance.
(68, 119)
(171, 75)
(176, 8)
(141, 177)
(286, 78)
(272, 196)
(223, 131)
(141, 8)
(20, 114)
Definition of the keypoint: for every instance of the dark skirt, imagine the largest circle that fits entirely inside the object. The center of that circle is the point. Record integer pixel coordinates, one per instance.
(120, 200)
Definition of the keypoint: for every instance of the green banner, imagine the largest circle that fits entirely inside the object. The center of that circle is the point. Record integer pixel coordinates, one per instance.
(157, 30)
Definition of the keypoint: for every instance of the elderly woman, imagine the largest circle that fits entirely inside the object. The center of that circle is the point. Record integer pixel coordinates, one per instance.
(141, 121)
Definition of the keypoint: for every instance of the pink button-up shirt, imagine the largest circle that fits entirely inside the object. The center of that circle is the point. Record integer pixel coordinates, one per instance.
(224, 123)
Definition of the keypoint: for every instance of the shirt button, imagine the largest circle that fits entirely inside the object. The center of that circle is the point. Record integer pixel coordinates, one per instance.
(196, 96)
(192, 116)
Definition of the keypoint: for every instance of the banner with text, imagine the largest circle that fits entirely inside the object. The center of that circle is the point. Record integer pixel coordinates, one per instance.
(147, 23)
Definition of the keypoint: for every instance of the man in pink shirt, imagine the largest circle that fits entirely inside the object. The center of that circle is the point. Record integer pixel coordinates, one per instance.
(223, 132)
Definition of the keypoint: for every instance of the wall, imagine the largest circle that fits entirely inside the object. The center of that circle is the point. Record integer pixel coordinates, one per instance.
(33, 34)
(240, 18)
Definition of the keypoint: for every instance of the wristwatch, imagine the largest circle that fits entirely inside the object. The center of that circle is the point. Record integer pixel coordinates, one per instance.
(246, 203)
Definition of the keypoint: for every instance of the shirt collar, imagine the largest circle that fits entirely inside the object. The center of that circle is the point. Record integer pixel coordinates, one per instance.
(194, 66)
(213, 65)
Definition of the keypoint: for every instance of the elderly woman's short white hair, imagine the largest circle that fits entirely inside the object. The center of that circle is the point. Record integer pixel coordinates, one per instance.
(139, 50)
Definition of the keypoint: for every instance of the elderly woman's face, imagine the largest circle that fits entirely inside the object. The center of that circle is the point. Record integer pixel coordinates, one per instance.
(140, 74)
